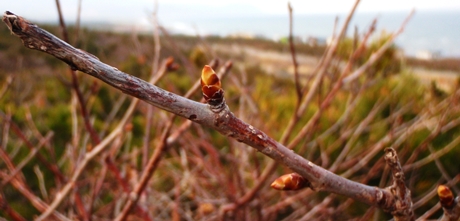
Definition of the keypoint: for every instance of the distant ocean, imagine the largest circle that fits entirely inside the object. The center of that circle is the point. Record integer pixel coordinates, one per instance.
(436, 32)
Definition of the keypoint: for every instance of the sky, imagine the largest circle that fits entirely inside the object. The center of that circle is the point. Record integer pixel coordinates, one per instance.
(268, 18)
(139, 11)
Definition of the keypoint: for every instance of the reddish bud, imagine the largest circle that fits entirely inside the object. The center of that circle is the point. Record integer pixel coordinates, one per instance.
(209, 77)
(291, 181)
(446, 197)
(210, 86)
(170, 65)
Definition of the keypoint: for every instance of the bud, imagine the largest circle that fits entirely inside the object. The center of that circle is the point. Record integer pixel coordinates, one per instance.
(446, 197)
(211, 87)
(291, 181)
(170, 65)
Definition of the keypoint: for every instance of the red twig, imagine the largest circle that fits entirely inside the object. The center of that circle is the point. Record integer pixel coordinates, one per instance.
(5, 207)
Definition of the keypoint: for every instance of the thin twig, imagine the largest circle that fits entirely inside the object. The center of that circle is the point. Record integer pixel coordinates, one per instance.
(403, 207)
(25, 190)
(293, 55)
(446, 149)
(51, 167)
(76, 85)
(95, 151)
(376, 55)
(155, 67)
(27, 159)
(152, 164)
(147, 173)
(5, 208)
(8, 81)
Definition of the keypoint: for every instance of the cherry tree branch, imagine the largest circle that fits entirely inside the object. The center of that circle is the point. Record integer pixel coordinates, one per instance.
(218, 117)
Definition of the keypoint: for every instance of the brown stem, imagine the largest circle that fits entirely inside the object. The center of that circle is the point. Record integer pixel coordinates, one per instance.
(5, 207)
(403, 206)
(220, 119)
(147, 173)
(24, 189)
(294, 59)
(152, 164)
(51, 167)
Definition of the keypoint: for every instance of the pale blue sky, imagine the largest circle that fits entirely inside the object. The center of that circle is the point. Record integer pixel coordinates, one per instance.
(137, 11)
(266, 17)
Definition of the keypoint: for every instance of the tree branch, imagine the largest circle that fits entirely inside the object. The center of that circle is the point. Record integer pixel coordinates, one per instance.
(219, 117)
(403, 210)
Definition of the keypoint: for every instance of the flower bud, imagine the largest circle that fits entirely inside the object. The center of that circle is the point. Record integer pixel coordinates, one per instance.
(291, 181)
(446, 197)
(211, 86)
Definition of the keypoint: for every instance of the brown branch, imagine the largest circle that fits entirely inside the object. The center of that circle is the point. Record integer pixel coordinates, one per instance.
(5, 207)
(51, 167)
(165, 140)
(298, 111)
(24, 189)
(6, 85)
(379, 53)
(77, 23)
(27, 159)
(403, 206)
(84, 112)
(217, 117)
(147, 173)
(155, 67)
(357, 53)
(76, 86)
(294, 59)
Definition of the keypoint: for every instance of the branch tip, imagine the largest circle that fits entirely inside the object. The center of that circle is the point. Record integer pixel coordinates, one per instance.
(446, 197)
(209, 77)
(14, 22)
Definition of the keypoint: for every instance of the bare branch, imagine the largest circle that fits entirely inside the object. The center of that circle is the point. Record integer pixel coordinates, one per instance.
(22, 187)
(376, 55)
(215, 115)
(403, 204)
(5, 207)
(294, 60)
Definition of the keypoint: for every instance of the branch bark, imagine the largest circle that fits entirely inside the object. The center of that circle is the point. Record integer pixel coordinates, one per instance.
(219, 118)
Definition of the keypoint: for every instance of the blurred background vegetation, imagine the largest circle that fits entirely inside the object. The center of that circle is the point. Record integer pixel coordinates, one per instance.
(205, 170)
